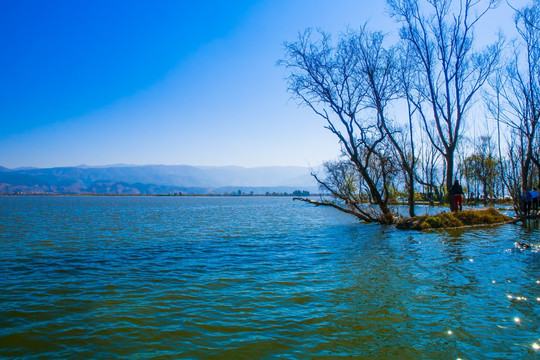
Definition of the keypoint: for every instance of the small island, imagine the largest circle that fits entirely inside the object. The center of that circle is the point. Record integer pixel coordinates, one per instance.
(454, 220)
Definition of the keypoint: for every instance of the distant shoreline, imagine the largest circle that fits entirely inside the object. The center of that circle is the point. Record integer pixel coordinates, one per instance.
(149, 195)
(473, 204)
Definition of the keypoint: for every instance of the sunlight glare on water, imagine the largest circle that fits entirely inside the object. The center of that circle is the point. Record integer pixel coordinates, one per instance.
(256, 277)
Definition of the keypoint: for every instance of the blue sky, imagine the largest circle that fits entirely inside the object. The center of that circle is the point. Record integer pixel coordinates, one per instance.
(160, 82)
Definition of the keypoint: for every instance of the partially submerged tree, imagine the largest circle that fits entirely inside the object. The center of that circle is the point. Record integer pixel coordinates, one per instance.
(452, 71)
(493, 103)
(514, 103)
(348, 190)
(401, 135)
(428, 172)
(512, 170)
(482, 168)
(435, 72)
(349, 85)
(522, 90)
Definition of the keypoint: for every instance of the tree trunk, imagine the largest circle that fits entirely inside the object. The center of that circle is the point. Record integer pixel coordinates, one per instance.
(375, 194)
(411, 194)
(450, 178)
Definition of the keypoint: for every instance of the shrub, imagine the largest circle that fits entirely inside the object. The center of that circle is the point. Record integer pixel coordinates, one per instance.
(453, 220)
(431, 222)
(487, 216)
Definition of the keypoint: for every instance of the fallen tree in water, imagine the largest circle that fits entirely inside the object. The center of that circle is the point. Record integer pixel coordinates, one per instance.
(454, 220)
(362, 211)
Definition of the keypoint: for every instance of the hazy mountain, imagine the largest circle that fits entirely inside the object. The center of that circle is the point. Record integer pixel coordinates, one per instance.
(155, 179)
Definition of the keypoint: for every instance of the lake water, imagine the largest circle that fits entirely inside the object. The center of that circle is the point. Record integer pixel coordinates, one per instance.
(254, 278)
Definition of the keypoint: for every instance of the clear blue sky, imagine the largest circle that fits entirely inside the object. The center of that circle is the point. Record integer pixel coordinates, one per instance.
(160, 82)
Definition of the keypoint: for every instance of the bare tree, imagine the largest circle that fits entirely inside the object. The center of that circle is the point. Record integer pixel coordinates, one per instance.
(522, 91)
(514, 102)
(493, 102)
(428, 174)
(401, 135)
(482, 167)
(452, 71)
(348, 189)
(349, 85)
(513, 170)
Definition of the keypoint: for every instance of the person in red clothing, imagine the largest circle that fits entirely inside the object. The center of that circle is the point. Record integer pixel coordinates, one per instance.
(457, 195)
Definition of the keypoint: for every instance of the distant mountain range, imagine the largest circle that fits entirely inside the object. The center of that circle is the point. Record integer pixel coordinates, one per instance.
(156, 179)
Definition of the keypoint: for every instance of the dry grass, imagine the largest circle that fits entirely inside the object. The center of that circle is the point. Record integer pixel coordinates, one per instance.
(454, 220)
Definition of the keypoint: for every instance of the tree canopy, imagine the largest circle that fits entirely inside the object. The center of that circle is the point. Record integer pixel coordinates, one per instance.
(400, 110)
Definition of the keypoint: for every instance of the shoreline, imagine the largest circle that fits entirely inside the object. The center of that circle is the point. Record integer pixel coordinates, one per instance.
(156, 195)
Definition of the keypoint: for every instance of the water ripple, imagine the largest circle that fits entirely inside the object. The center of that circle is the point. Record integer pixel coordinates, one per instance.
(244, 278)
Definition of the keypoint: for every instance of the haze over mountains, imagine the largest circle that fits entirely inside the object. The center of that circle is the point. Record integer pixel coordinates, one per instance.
(156, 179)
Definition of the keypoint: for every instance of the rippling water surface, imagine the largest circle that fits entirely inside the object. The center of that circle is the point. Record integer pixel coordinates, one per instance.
(256, 277)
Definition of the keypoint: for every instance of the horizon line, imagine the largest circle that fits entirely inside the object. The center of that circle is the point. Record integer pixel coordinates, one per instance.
(146, 165)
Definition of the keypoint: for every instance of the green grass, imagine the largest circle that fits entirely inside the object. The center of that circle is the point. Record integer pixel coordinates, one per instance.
(446, 220)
